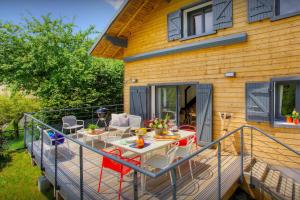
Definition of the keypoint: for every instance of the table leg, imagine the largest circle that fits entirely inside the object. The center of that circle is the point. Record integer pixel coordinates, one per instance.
(92, 142)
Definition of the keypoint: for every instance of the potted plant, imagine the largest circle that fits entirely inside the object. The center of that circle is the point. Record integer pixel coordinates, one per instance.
(295, 116)
(289, 119)
(92, 128)
(160, 126)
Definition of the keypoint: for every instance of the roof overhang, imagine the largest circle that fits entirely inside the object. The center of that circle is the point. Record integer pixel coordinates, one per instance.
(103, 34)
(113, 40)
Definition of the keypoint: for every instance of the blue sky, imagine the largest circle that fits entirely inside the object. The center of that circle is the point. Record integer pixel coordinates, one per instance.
(86, 12)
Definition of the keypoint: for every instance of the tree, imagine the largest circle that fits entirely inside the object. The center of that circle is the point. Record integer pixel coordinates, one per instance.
(12, 109)
(48, 59)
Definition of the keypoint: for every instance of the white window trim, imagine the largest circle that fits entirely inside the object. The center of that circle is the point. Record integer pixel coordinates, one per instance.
(185, 18)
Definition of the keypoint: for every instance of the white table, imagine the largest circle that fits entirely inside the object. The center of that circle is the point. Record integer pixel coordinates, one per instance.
(155, 144)
(86, 134)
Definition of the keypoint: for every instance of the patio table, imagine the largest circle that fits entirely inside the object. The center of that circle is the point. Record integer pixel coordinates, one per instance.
(154, 145)
(86, 134)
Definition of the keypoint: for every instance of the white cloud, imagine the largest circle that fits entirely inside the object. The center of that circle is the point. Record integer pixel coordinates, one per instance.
(115, 3)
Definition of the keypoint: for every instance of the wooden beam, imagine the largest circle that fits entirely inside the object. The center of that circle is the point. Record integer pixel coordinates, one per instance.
(133, 16)
(120, 42)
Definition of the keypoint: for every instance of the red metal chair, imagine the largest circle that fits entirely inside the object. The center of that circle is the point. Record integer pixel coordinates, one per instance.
(184, 142)
(117, 167)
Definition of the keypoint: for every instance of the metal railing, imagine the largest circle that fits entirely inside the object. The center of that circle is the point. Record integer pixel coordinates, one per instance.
(31, 122)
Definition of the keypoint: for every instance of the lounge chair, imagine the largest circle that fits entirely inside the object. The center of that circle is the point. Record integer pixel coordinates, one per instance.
(132, 122)
(71, 123)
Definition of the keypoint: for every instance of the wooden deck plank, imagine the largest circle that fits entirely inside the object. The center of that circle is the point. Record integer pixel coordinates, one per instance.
(297, 191)
(204, 168)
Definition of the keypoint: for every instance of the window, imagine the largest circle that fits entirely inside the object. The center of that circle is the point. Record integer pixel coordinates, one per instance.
(198, 20)
(287, 6)
(287, 98)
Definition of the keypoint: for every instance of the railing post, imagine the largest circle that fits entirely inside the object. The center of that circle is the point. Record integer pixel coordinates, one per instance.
(92, 114)
(251, 155)
(81, 172)
(135, 185)
(174, 180)
(42, 148)
(242, 155)
(56, 187)
(25, 131)
(219, 172)
(32, 133)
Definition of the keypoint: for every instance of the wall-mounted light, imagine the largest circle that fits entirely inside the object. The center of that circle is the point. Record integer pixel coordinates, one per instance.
(133, 80)
(230, 74)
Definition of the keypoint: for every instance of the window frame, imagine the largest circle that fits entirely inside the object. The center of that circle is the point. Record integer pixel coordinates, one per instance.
(278, 16)
(198, 8)
(278, 119)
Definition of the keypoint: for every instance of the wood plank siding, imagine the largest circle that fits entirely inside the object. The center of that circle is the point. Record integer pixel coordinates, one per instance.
(272, 50)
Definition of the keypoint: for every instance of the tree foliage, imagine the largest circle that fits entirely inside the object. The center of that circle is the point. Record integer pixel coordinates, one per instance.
(48, 59)
(12, 108)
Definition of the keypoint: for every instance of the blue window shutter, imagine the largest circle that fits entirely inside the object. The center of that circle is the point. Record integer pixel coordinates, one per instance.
(204, 113)
(222, 14)
(140, 101)
(175, 25)
(258, 96)
(260, 9)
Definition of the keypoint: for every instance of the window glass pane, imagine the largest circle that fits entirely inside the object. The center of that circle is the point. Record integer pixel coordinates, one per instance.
(166, 102)
(198, 24)
(208, 22)
(288, 6)
(287, 98)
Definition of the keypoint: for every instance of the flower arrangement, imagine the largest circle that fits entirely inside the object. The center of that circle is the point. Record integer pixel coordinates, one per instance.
(160, 125)
(141, 131)
(296, 117)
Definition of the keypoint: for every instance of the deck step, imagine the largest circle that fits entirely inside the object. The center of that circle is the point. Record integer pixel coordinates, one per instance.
(297, 191)
(286, 187)
(272, 179)
(259, 170)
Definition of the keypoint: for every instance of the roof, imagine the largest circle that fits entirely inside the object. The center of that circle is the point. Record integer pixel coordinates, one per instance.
(113, 40)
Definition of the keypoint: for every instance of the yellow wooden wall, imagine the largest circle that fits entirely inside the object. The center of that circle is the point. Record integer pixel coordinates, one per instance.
(272, 50)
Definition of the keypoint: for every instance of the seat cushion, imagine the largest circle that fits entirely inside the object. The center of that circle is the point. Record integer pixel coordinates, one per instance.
(158, 161)
(123, 129)
(60, 138)
(73, 127)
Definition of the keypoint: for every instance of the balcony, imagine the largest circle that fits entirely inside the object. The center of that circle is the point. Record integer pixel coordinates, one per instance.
(73, 166)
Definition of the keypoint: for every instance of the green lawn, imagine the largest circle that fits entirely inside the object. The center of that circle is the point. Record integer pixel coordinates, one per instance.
(18, 178)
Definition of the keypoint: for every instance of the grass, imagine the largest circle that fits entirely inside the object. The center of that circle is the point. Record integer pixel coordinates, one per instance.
(16, 143)
(18, 178)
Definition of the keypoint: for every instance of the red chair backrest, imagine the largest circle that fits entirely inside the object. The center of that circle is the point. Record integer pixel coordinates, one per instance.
(188, 128)
(184, 142)
(113, 165)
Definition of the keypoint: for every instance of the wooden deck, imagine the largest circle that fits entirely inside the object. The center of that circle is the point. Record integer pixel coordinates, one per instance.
(204, 185)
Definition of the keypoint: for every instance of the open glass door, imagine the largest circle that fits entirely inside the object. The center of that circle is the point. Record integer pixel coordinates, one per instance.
(176, 101)
(166, 102)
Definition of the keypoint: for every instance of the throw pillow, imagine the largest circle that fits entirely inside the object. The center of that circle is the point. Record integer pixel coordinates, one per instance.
(123, 121)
